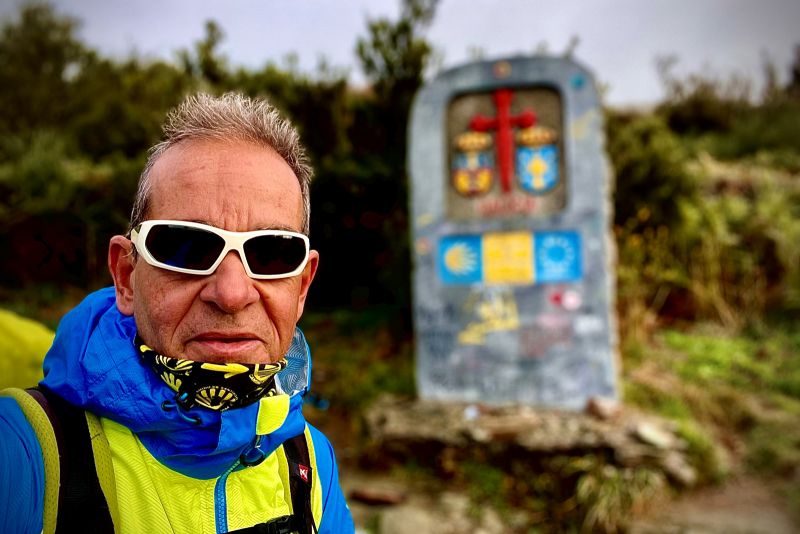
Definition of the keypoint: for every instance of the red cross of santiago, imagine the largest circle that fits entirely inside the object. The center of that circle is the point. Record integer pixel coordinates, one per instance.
(503, 124)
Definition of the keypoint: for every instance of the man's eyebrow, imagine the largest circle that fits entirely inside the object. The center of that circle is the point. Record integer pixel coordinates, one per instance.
(279, 227)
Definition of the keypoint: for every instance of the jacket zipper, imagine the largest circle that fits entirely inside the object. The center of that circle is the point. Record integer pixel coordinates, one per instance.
(246, 459)
(221, 501)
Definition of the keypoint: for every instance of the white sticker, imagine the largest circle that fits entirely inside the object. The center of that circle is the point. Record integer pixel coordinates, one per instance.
(571, 300)
(588, 324)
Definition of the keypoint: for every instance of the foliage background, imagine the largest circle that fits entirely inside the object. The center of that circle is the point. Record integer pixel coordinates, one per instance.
(75, 126)
(707, 223)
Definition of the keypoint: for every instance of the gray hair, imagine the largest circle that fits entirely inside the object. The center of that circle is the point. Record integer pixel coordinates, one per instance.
(230, 116)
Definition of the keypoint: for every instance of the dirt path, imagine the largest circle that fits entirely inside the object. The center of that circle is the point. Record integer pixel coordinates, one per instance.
(741, 506)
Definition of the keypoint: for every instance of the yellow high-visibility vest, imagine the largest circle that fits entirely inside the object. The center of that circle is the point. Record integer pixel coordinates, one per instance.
(146, 496)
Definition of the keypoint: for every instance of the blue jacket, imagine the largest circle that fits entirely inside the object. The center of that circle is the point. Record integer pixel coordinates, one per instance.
(93, 365)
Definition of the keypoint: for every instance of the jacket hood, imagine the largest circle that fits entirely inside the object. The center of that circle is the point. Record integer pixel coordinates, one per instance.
(93, 364)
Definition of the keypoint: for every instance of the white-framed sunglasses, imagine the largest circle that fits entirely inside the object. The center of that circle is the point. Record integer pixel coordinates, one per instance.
(195, 248)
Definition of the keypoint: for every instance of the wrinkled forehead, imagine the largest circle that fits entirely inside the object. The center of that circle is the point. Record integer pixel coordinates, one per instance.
(236, 185)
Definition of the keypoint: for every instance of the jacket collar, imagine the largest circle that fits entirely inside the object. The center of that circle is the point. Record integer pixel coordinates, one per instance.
(93, 365)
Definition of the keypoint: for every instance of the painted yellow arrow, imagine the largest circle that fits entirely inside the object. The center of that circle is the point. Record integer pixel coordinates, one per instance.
(230, 369)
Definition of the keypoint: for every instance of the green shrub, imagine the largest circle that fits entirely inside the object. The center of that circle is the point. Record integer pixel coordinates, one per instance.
(703, 452)
(607, 495)
(701, 103)
(733, 257)
(653, 179)
(767, 132)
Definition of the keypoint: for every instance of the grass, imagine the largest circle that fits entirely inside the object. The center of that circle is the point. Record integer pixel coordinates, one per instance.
(749, 364)
(736, 397)
(608, 495)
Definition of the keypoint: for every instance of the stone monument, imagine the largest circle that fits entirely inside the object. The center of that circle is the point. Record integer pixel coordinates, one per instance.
(513, 281)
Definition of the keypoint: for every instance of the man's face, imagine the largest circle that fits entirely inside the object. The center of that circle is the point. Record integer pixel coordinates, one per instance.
(225, 316)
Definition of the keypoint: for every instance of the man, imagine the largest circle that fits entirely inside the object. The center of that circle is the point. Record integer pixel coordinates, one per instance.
(191, 368)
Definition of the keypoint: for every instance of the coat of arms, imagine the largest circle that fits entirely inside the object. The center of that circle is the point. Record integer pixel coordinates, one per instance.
(537, 159)
(515, 146)
(473, 167)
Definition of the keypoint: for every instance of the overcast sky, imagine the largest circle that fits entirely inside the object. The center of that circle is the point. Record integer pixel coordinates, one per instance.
(619, 39)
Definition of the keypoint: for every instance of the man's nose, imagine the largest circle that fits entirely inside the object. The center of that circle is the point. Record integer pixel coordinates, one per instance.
(229, 287)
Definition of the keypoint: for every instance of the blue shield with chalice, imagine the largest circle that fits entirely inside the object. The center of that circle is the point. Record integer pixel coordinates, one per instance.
(537, 159)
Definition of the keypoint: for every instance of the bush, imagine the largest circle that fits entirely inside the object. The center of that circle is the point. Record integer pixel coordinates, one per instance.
(701, 103)
(769, 130)
(653, 179)
(732, 256)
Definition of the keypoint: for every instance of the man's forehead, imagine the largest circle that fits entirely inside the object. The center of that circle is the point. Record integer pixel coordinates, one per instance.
(198, 154)
(213, 181)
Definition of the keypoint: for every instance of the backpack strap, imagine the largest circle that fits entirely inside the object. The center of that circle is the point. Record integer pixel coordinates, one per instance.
(300, 477)
(102, 463)
(82, 506)
(42, 426)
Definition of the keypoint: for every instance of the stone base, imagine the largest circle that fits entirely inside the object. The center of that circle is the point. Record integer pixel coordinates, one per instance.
(442, 434)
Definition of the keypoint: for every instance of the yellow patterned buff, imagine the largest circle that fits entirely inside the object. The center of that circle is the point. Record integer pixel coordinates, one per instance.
(217, 386)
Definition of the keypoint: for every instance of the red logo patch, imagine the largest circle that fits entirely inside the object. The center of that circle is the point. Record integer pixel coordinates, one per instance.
(303, 472)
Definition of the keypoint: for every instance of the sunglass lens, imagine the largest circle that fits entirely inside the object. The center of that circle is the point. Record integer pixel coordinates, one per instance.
(274, 254)
(183, 246)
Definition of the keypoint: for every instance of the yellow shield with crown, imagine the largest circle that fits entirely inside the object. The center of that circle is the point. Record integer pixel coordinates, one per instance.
(472, 167)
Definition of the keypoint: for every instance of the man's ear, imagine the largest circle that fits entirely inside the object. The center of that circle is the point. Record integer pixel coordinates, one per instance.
(306, 278)
(121, 262)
